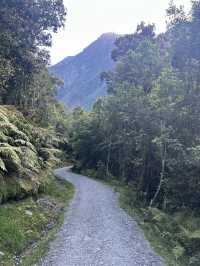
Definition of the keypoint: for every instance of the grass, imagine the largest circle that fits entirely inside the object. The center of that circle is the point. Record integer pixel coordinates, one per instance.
(26, 226)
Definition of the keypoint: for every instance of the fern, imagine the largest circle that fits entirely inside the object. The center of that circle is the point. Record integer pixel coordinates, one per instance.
(12, 131)
(21, 142)
(24, 151)
(10, 158)
(49, 153)
(14, 148)
(30, 159)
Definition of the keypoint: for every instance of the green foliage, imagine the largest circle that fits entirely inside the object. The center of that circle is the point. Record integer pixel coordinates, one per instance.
(131, 41)
(25, 150)
(26, 28)
(139, 67)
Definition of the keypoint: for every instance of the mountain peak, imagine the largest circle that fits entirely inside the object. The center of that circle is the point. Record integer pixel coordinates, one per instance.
(108, 35)
(81, 73)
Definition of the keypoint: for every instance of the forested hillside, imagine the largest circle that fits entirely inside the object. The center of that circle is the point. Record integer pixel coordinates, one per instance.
(145, 133)
(81, 74)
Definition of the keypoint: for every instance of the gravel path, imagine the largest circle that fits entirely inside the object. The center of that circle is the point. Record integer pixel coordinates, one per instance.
(97, 232)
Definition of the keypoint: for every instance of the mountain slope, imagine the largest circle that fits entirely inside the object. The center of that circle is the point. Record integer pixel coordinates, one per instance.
(81, 73)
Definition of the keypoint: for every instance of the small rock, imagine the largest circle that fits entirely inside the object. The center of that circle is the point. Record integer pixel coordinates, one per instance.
(87, 238)
(29, 213)
(1, 254)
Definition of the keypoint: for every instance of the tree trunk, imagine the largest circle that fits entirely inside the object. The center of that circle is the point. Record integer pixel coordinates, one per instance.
(162, 174)
(108, 157)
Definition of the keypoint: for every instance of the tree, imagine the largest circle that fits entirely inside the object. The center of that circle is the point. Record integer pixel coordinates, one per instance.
(25, 32)
(131, 41)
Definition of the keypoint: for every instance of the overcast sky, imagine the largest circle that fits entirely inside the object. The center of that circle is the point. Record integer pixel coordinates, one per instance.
(88, 19)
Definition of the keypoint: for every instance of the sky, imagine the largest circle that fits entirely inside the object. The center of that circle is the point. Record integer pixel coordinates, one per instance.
(88, 19)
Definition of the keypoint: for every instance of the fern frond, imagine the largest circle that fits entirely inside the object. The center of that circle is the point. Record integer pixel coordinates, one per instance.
(12, 131)
(48, 154)
(2, 166)
(21, 142)
(3, 118)
(30, 159)
(3, 137)
(10, 157)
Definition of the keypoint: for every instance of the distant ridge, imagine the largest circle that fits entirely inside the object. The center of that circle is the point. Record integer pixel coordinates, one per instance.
(81, 73)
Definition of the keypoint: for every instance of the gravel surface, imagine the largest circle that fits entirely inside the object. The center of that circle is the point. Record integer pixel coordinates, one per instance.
(96, 231)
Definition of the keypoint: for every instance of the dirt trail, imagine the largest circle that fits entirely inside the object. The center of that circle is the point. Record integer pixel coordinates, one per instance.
(96, 231)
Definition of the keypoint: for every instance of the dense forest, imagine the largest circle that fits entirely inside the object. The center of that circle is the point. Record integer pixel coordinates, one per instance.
(145, 133)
